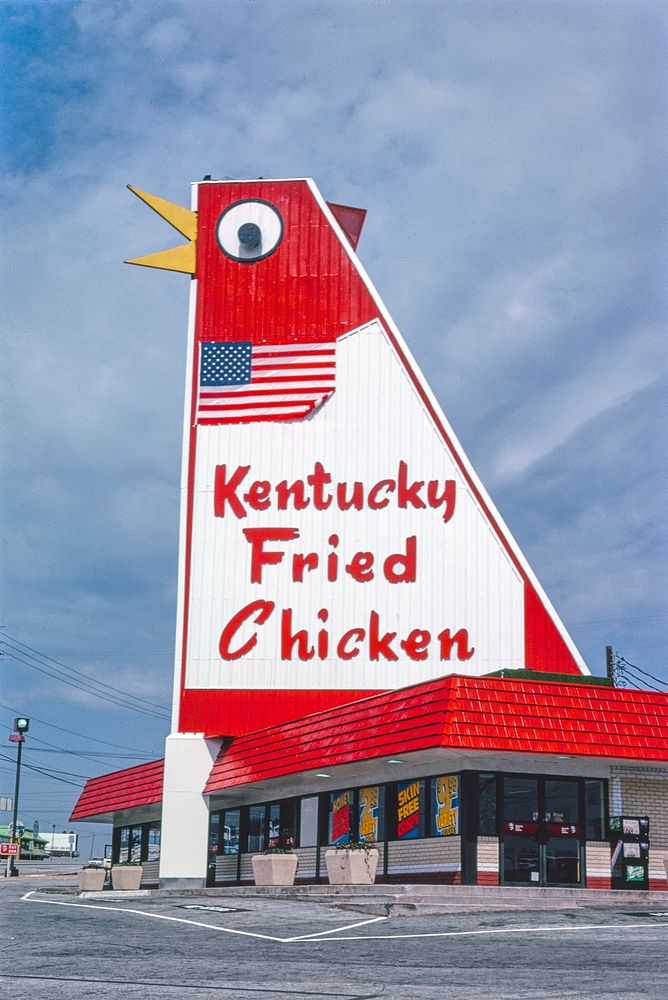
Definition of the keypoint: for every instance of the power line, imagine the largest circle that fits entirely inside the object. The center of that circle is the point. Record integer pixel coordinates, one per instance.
(83, 736)
(623, 659)
(119, 703)
(80, 673)
(640, 680)
(51, 777)
(91, 687)
(90, 755)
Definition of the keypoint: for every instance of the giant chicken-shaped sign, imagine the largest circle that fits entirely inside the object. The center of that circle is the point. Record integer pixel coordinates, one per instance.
(335, 541)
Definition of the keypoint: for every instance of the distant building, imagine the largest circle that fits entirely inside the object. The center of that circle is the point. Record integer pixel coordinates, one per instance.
(32, 847)
(62, 844)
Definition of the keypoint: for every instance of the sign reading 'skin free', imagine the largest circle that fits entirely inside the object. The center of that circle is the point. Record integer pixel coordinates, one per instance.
(334, 538)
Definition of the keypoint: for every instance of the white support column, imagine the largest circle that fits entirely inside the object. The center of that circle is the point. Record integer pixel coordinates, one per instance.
(185, 812)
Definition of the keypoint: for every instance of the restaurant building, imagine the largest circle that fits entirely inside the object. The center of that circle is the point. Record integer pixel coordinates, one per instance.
(362, 651)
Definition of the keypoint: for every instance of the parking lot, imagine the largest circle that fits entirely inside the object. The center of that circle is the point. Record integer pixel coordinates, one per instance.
(245, 946)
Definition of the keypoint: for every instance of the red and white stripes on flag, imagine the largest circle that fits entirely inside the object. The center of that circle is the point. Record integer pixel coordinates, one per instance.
(241, 381)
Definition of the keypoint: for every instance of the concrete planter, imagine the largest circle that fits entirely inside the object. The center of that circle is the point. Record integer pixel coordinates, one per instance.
(91, 879)
(126, 876)
(351, 867)
(274, 869)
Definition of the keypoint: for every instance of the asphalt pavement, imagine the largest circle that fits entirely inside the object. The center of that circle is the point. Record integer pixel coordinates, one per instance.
(197, 947)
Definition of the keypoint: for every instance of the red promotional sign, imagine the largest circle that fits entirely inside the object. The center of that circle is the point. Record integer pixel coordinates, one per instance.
(526, 828)
(9, 850)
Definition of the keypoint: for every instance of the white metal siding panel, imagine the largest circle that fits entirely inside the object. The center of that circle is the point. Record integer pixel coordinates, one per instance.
(465, 578)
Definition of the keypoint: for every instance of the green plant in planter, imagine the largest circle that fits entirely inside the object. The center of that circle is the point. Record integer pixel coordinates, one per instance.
(280, 844)
(357, 845)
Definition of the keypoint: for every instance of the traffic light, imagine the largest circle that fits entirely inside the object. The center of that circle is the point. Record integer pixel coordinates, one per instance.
(21, 725)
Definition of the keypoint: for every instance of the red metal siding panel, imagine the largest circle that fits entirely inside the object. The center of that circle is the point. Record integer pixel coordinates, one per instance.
(306, 290)
(545, 648)
(222, 712)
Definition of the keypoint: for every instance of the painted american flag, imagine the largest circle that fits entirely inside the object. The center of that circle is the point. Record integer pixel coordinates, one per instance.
(240, 381)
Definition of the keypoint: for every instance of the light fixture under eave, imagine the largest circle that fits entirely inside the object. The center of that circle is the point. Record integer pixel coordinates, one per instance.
(394, 760)
(321, 774)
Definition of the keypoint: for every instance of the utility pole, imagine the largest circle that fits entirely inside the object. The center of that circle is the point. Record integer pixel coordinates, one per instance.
(610, 664)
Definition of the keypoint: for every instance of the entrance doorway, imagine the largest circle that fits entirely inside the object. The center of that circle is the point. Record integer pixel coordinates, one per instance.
(542, 837)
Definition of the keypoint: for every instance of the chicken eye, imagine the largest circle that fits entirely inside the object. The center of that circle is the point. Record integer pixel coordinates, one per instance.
(249, 230)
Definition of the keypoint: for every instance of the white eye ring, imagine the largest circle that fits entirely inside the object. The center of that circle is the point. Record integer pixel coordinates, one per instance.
(249, 230)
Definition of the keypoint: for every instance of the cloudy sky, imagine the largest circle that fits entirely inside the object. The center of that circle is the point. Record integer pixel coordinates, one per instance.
(509, 155)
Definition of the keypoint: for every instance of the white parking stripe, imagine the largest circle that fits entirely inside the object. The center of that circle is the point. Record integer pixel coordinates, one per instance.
(141, 913)
(335, 930)
(321, 936)
(555, 928)
(27, 898)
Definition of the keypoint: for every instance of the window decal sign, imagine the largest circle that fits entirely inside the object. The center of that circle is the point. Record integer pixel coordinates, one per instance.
(368, 798)
(409, 808)
(340, 817)
(445, 805)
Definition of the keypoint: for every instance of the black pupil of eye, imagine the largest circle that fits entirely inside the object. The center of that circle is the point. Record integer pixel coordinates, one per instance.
(250, 235)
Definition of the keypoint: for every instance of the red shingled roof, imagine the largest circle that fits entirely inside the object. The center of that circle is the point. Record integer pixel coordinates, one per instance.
(476, 713)
(126, 789)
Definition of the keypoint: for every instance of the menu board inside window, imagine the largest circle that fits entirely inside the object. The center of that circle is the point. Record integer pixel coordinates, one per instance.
(445, 805)
(410, 809)
(340, 816)
(371, 813)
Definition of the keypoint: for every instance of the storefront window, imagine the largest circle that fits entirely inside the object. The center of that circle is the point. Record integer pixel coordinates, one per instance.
(372, 813)
(562, 861)
(153, 843)
(595, 809)
(410, 809)
(135, 844)
(340, 817)
(520, 800)
(521, 859)
(287, 836)
(308, 822)
(231, 821)
(214, 834)
(487, 804)
(124, 852)
(274, 824)
(445, 805)
(562, 801)
(256, 834)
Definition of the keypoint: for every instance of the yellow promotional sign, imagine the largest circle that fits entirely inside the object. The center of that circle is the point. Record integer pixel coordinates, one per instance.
(369, 813)
(446, 805)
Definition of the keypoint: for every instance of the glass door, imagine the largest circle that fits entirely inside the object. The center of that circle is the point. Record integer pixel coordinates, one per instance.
(562, 831)
(520, 848)
(541, 831)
